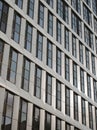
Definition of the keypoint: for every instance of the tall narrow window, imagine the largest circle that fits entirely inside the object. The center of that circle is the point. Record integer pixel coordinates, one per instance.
(83, 107)
(26, 74)
(36, 118)
(87, 59)
(95, 90)
(74, 48)
(28, 37)
(50, 23)
(58, 61)
(12, 66)
(76, 113)
(49, 53)
(48, 89)
(90, 116)
(4, 8)
(58, 95)
(39, 46)
(58, 32)
(96, 116)
(41, 15)
(82, 87)
(66, 44)
(95, 25)
(93, 64)
(81, 52)
(94, 6)
(16, 27)
(7, 111)
(67, 101)
(89, 85)
(58, 124)
(67, 126)
(1, 53)
(75, 74)
(38, 76)
(30, 8)
(19, 3)
(47, 121)
(22, 121)
(67, 68)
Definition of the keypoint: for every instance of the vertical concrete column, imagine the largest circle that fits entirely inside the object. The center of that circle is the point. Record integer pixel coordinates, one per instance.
(63, 125)
(54, 92)
(22, 32)
(34, 41)
(79, 109)
(70, 42)
(15, 113)
(44, 49)
(84, 56)
(54, 58)
(53, 119)
(5, 61)
(94, 118)
(19, 70)
(46, 18)
(32, 79)
(29, 117)
(92, 89)
(78, 78)
(25, 6)
(72, 127)
(10, 23)
(63, 98)
(42, 119)
(71, 104)
(54, 27)
(36, 5)
(85, 82)
(62, 37)
(87, 114)
(90, 61)
(55, 5)
(43, 85)
(71, 72)
(63, 65)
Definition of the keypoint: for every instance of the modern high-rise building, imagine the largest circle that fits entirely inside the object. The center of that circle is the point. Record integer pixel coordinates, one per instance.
(48, 64)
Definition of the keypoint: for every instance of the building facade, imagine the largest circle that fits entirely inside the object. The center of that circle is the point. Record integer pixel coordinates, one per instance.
(48, 64)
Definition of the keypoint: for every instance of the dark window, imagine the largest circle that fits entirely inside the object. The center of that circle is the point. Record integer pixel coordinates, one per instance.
(76, 128)
(4, 8)
(41, 15)
(1, 53)
(90, 116)
(16, 27)
(87, 59)
(49, 53)
(58, 95)
(12, 66)
(38, 77)
(47, 121)
(50, 23)
(76, 5)
(58, 61)
(83, 107)
(66, 44)
(67, 68)
(87, 15)
(96, 44)
(28, 37)
(48, 89)
(50, 2)
(74, 47)
(96, 116)
(89, 85)
(76, 112)
(88, 2)
(94, 6)
(19, 3)
(93, 64)
(67, 126)
(58, 124)
(36, 118)
(75, 74)
(81, 52)
(67, 101)
(39, 46)
(88, 36)
(7, 111)
(26, 74)
(58, 32)
(76, 24)
(62, 10)
(30, 8)
(95, 24)
(95, 90)
(22, 121)
(82, 87)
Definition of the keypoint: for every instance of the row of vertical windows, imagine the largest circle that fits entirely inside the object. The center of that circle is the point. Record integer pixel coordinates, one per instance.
(76, 5)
